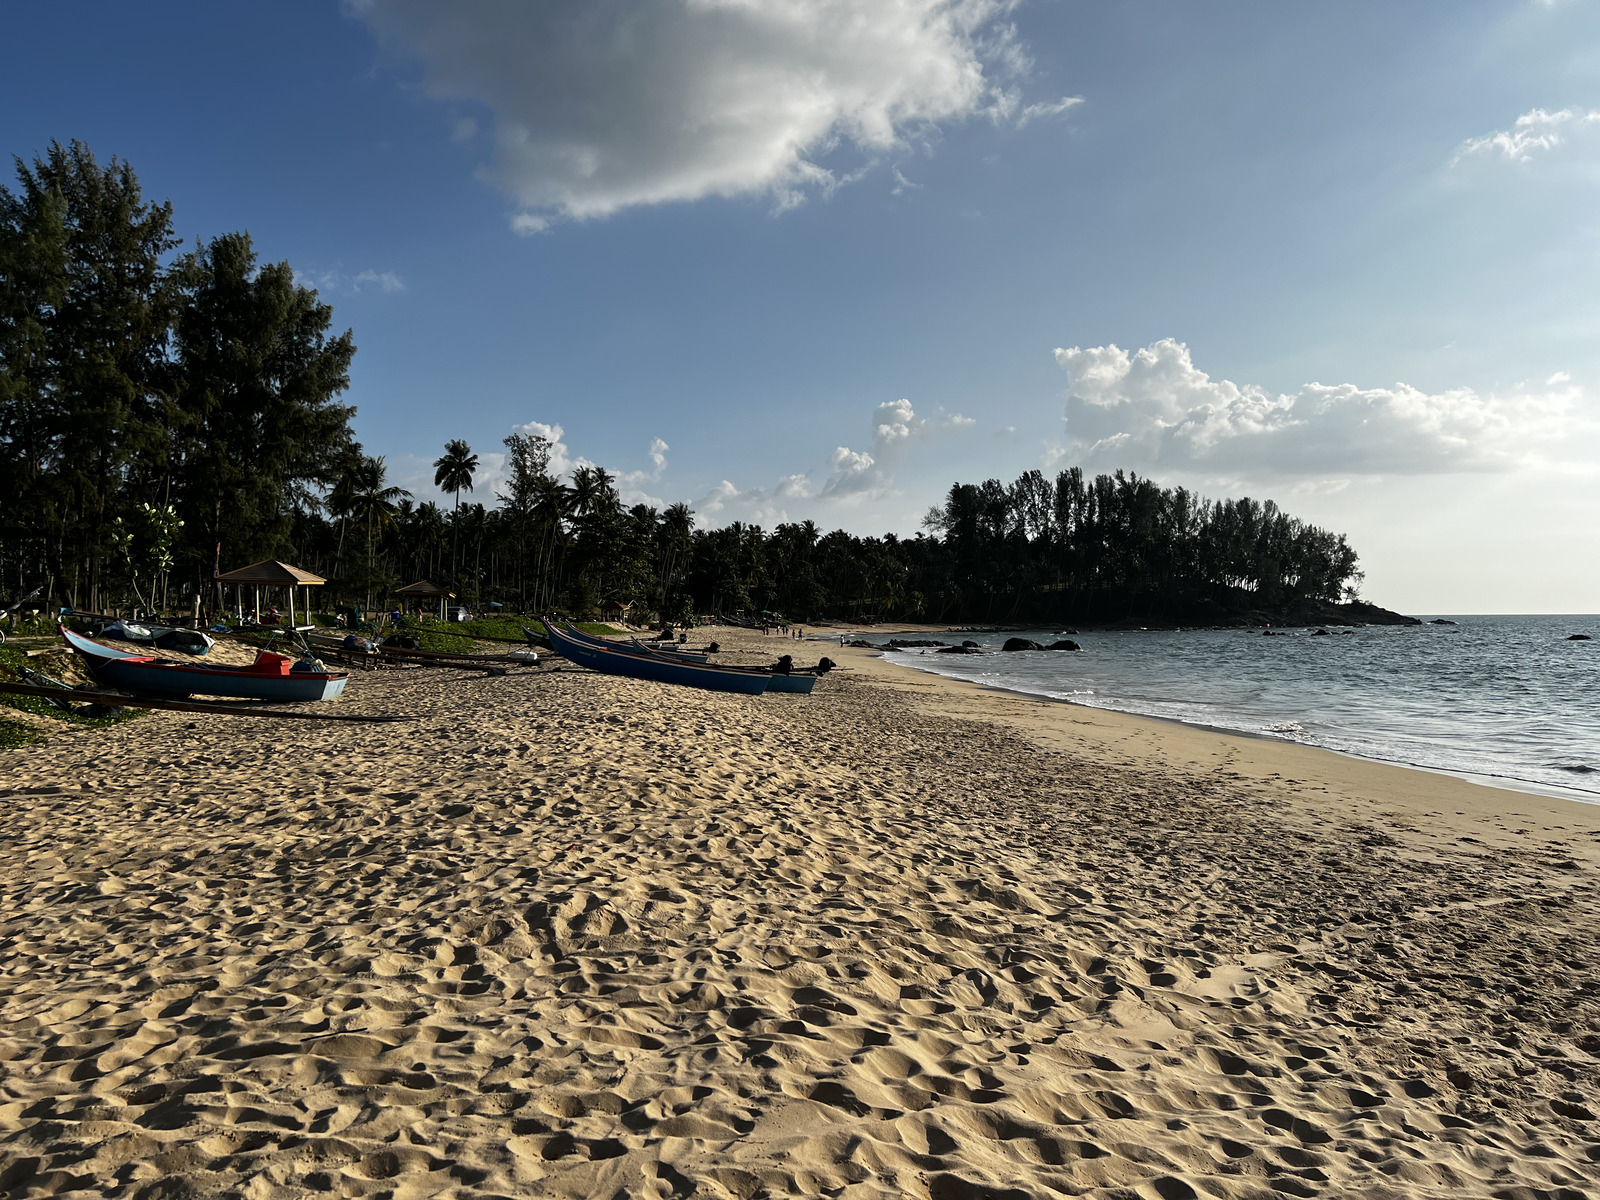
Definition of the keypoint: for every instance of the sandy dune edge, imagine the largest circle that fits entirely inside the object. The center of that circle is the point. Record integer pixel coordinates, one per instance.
(574, 936)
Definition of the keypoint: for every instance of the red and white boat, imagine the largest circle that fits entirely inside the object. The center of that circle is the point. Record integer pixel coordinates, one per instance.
(270, 677)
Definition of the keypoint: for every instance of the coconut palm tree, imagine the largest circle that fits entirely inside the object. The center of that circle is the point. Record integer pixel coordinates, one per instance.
(374, 503)
(453, 472)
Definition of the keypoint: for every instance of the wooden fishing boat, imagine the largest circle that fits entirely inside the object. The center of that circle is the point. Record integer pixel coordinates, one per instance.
(270, 677)
(638, 663)
(799, 680)
(795, 681)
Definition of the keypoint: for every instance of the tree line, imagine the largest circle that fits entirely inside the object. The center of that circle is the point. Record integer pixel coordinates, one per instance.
(165, 415)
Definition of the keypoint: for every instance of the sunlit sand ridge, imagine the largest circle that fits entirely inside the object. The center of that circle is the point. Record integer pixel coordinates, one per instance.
(579, 936)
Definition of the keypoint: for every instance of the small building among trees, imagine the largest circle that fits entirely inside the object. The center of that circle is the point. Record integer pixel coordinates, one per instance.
(615, 610)
(425, 589)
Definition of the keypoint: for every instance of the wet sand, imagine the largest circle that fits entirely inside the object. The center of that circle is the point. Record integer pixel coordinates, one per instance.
(571, 935)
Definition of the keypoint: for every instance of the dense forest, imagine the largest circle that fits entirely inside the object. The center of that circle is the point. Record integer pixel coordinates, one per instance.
(166, 415)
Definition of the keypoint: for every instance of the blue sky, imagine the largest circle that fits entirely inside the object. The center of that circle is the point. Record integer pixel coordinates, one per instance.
(788, 260)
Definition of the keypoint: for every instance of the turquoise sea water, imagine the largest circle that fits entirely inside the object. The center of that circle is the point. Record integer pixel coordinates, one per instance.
(1504, 699)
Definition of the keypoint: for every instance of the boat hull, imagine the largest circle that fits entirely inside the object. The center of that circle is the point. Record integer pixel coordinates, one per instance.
(145, 675)
(796, 683)
(653, 667)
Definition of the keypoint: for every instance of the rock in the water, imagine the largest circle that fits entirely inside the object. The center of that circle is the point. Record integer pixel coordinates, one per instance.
(1440, 621)
(1580, 637)
(1321, 633)
(964, 648)
(1021, 644)
(901, 644)
(1064, 644)
(972, 645)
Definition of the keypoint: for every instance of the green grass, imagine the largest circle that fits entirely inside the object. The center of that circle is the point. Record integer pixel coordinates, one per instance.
(434, 635)
(38, 627)
(14, 735)
(509, 628)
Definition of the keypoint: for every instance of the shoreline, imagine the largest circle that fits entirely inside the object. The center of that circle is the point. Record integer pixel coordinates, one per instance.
(1374, 787)
(1505, 783)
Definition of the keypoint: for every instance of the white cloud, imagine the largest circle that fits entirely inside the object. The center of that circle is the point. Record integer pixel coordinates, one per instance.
(727, 503)
(1559, 377)
(794, 487)
(384, 281)
(895, 426)
(1035, 112)
(630, 484)
(342, 281)
(1155, 408)
(852, 473)
(562, 461)
(1534, 132)
(415, 472)
(614, 103)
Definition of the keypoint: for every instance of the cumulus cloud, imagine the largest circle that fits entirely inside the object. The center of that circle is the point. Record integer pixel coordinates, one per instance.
(563, 462)
(1535, 132)
(608, 104)
(794, 487)
(895, 426)
(1155, 408)
(631, 484)
(727, 503)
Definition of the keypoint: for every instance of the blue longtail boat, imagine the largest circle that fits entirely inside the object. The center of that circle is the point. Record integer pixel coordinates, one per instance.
(638, 663)
(270, 677)
(632, 646)
(799, 681)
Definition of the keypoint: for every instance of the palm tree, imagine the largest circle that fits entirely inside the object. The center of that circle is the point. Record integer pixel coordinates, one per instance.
(375, 503)
(453, 473)
(551, 504)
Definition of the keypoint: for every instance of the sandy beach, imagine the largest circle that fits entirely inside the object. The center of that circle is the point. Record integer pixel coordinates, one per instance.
(570, 935)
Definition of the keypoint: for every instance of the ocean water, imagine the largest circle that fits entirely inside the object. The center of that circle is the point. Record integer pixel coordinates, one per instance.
(1504, 700)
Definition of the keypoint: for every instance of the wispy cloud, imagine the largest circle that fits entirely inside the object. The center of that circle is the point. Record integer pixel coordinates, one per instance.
(338, 280)
(1037, 112)
(1535, 132)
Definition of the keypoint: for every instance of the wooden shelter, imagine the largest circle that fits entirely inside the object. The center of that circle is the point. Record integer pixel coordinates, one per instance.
(271, 573)
(615, 610)
(424, 587)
